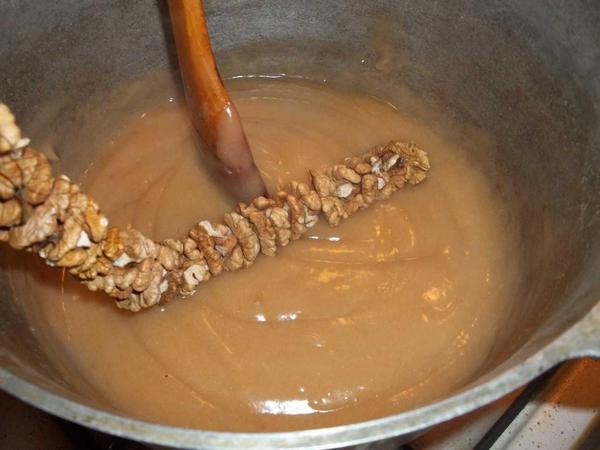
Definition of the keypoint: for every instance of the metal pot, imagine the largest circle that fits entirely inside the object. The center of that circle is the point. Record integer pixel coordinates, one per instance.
(524, 71)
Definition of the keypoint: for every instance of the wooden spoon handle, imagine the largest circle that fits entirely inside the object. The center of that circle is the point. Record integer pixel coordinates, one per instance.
(207, 97)
(213, 114)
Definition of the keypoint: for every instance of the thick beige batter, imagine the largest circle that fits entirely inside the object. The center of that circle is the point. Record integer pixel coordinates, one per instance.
(396, 307)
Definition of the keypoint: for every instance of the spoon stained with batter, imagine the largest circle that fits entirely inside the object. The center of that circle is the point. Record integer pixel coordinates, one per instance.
(213, 114)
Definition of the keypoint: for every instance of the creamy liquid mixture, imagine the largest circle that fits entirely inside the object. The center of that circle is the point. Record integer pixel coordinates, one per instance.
(396, 307)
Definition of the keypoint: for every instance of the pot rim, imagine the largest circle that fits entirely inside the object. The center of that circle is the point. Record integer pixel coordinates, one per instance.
(582, 339)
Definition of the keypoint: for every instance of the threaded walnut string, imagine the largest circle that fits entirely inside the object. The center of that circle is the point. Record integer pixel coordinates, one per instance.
(49, 215)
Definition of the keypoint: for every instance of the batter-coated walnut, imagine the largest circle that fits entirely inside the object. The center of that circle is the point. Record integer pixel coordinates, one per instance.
(355, 204)
(201, 234)
(262, 226)
(137, 246)
(334, 211)
(69, 236)
(281, 223)
(369, 188)
(194, 275)
(341, 172)
(168, 258)
(95, 222)
(296, 214)
(174, 244)
(10, 213)
(113, 245)
(72, 258)
(36, 176)
(245, 235)
(307, 196)
(235, 260)
(10, 177)
(10, 134)
(40, 225)
(190, 249)
(323, 184)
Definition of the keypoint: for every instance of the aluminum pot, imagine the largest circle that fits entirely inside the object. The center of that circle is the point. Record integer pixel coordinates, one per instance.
(527, 72)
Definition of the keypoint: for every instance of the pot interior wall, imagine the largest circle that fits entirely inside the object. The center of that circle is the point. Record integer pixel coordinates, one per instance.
(524, 73)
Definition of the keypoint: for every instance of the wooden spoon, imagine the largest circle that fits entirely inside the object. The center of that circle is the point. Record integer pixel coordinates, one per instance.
(213, 114)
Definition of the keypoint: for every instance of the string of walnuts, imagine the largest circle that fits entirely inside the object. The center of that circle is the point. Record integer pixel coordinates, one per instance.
(49, 215)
